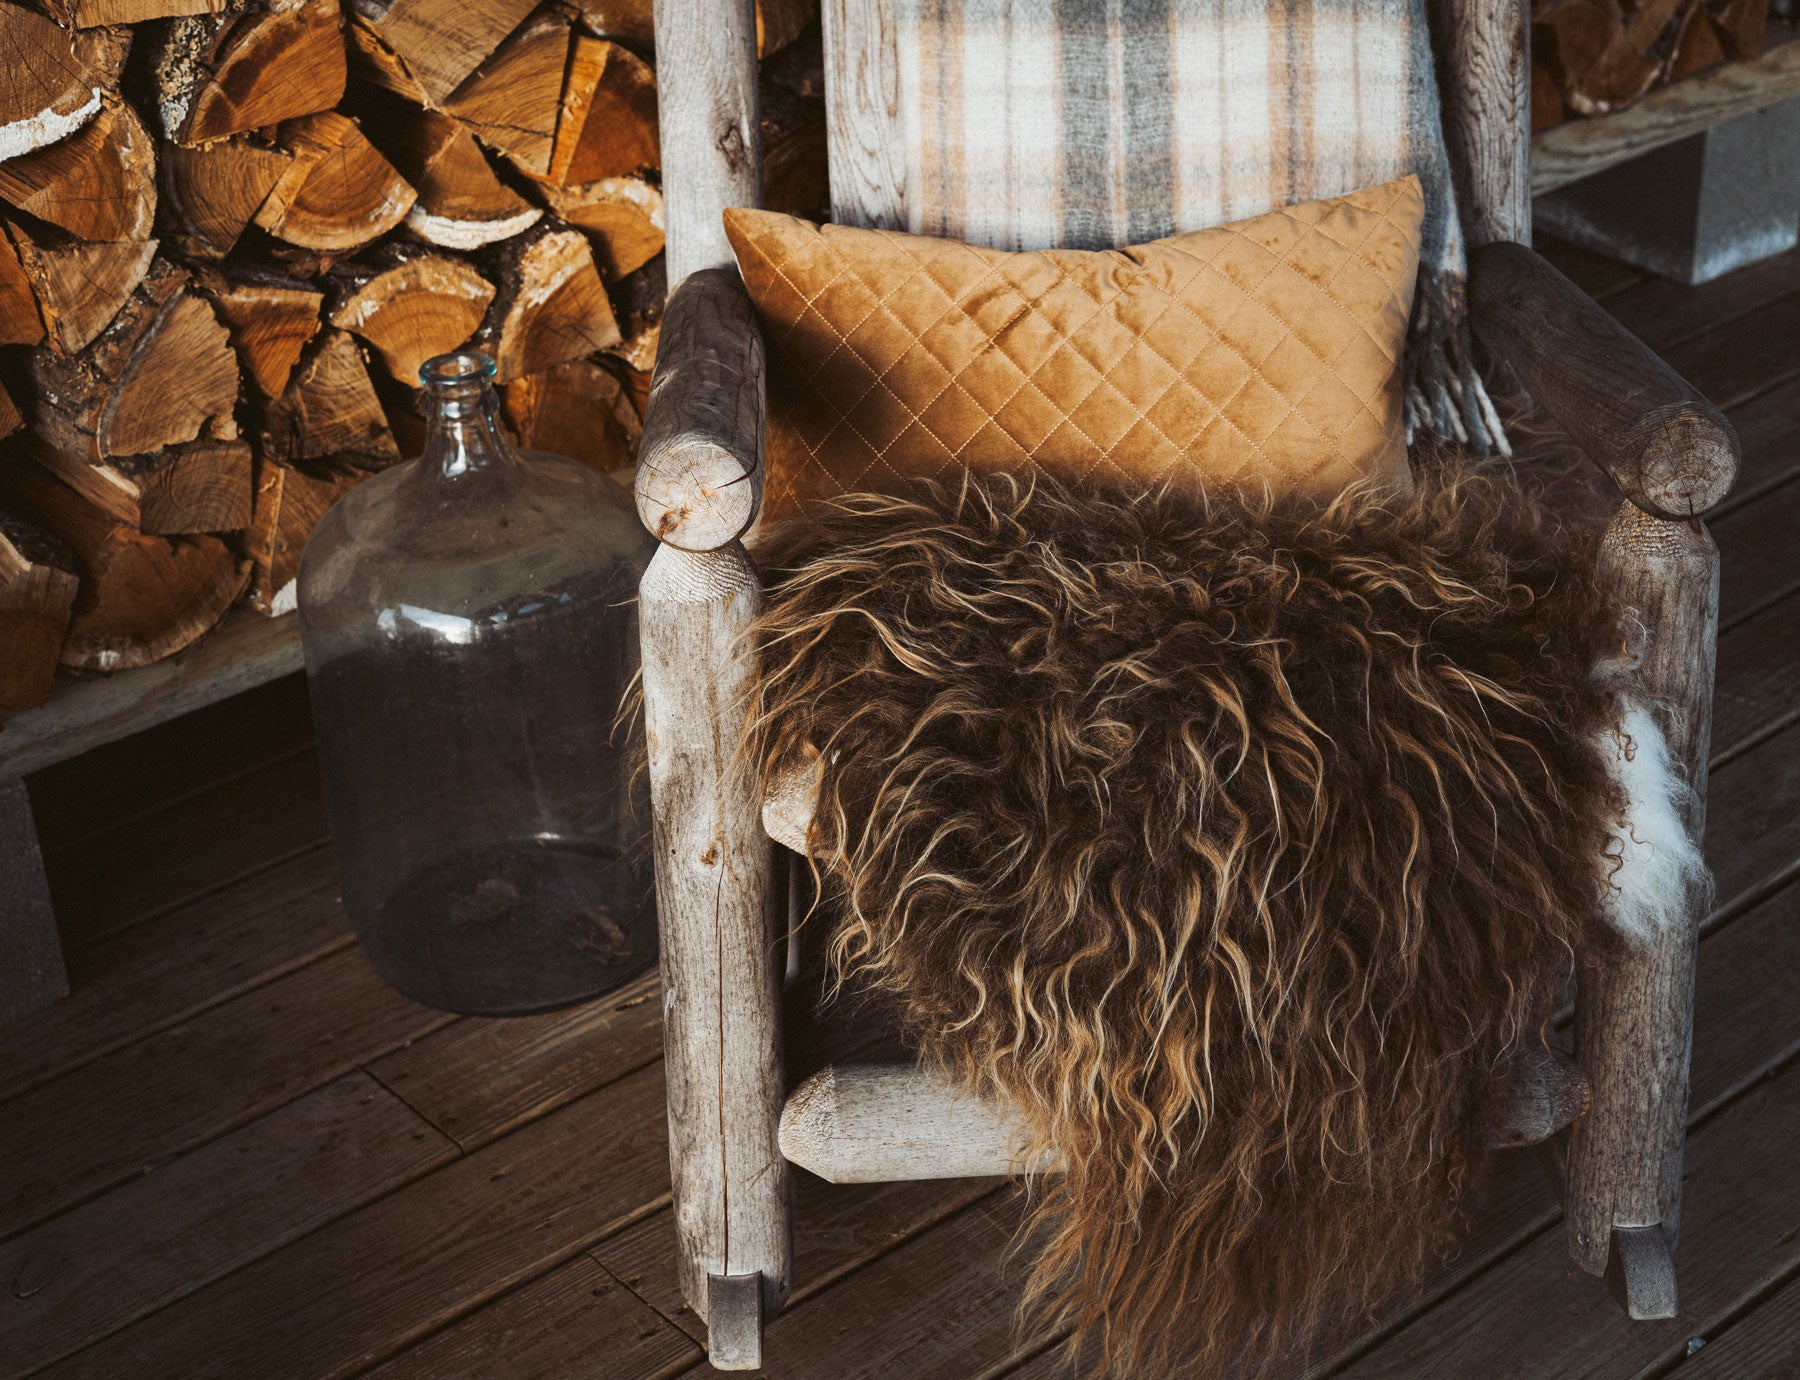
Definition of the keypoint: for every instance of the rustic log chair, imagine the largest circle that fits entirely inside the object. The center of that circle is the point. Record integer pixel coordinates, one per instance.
(733, 1127)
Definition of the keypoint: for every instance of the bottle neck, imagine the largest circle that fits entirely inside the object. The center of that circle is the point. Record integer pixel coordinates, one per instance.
(462, 433)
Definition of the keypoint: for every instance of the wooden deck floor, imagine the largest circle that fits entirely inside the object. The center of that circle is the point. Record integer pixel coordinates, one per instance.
(233, 1153)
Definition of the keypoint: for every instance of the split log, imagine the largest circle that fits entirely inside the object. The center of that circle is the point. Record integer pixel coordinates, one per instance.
(87, 14)
(550, 307)
(512, 100)
(1740, 25)
(329, 412)
(202, 486)
(606, 126)
(434, 45)
(1606, 55)
(289, 504)
(212, 193)
(51, 80)
(20, 323)
(161, 374)
(251, 67)
(461, 203)
(270, 321)
(142, 598)
(410, 306)
(80, 287)
(580, 409)
(97, 184)
(623, 218)
(799, 67)
(38, 585)
(780, 22)
(339, 193)
(1696, 46)
(10, 417)
(637, 301)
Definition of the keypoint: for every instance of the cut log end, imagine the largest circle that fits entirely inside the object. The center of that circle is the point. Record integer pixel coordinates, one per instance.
(1640, 1273)
(734, 1321)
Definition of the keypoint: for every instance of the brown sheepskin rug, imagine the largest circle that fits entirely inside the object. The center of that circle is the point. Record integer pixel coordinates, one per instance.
(1236, 842)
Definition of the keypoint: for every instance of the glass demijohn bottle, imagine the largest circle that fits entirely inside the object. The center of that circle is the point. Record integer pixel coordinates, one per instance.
(469, 622)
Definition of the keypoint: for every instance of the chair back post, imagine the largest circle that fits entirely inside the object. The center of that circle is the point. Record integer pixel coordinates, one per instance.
(1483, 50)
(709, 120)
(864, 125)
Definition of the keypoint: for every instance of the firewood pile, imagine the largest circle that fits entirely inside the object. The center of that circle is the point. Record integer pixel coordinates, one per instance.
(1592, 57)
(232, 230)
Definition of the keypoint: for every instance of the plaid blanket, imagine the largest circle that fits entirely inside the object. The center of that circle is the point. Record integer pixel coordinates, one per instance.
(1100, 123)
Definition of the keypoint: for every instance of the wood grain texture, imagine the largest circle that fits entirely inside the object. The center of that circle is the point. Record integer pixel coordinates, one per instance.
(700, 463)
(715, 892)
(1567, 152)
(245, 651)
(709, 126)
(1634, 1013)
(1669, 449)
(362, 1289)
(864, 136)
(160, 1237)
(1763, 1346)
(1484, 64)
(33, 975)
(104, 1123)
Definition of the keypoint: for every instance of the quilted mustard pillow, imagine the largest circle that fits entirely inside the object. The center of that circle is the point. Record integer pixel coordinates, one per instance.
(1264, 350)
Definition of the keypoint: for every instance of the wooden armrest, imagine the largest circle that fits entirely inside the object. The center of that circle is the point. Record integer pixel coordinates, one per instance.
(1670, 450)
(700, 465)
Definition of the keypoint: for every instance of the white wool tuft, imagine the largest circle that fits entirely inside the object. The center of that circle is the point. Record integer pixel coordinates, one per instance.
(1655, 860)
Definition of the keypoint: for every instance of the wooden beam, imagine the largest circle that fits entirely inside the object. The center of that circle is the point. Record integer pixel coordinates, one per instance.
(1573, 150)
(700, 465)
(714, 899)
(1669, 449)
(709, 125)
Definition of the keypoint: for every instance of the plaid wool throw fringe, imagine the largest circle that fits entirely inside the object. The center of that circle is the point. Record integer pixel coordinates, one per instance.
(1094, 124)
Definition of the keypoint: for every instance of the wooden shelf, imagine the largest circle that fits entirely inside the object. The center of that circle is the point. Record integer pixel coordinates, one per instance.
(244, 651)
(1578, 148)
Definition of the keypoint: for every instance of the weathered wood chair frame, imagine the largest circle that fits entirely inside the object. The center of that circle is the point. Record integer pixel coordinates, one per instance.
(733, 1127)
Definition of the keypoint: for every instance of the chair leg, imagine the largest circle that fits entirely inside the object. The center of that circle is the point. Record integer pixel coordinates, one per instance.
(31, 960)
(1634, 1014)
(718, 910)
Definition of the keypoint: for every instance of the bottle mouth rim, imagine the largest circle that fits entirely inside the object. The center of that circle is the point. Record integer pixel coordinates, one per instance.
(459, 366)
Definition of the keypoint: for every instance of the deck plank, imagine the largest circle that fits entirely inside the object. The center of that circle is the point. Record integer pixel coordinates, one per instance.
(160, 1237)
(1766, 426)
(1757, 563)
(1523, 1320)
(358, 1291)
(1765, 1345)
(77, 1136)
(1758, 689)
(478, 1079)
(139, 981)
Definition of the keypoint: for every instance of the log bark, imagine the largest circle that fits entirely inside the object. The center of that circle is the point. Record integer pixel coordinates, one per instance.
(606, 126)
(142, 598)
(329, 413)
(339, 193)
(580, 409)
(437, 44)
(254, 66)
(1669, 449)
(211, 194)
(550, 305)
(410, 306)
(161, 373)
(715, 891)
(289, 504)
(97, 184)
(461, 203)
(709, 127)
(80, 288)
(52, 80)
(1634, 1012)
(512, 100)
(623, 218)
(270, 321)
(38, 584)
(700, 469)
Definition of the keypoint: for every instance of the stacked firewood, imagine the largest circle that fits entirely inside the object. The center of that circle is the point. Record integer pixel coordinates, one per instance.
(232, 230)
(1591, 57)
